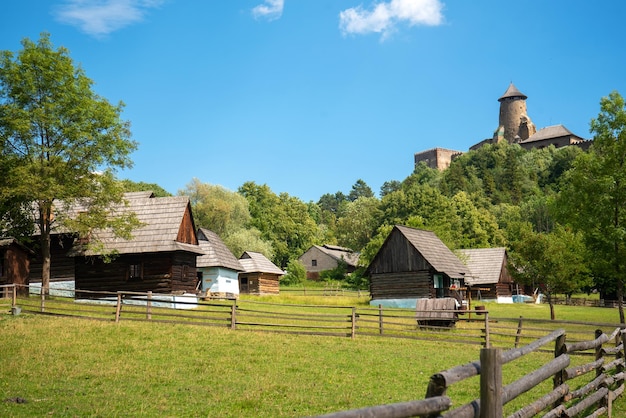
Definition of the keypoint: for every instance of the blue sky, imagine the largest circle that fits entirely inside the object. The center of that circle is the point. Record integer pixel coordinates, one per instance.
(307, 96)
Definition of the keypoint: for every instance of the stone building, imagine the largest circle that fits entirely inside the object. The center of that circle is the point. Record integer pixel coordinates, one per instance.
(515, 127)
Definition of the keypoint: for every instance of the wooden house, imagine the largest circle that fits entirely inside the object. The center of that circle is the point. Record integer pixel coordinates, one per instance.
(160, 257)
(413, 264)
(218, 268)
(259, 276)
(319, 258)
(490, 279)
(14, 265)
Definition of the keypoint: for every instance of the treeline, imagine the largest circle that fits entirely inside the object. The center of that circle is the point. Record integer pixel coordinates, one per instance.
(559, 212)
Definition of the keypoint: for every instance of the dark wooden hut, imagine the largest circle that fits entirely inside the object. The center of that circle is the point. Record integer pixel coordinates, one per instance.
(414, 264)
(161, 256)
(490, 279)
(14, 265)
(260, 275)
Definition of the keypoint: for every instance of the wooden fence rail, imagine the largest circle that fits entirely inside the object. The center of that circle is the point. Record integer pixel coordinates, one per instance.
(580, 388)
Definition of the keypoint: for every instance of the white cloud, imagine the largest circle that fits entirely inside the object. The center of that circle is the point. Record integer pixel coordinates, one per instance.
(101, 17)
(270, 10)
(384, 17)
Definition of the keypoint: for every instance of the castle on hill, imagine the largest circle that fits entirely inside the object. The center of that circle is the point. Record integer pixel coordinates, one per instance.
(515, 127)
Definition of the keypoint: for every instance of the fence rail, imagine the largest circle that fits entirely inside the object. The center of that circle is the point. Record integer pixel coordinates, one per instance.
(580, 388)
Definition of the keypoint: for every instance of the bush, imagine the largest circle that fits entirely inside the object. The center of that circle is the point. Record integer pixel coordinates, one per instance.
(296, 273)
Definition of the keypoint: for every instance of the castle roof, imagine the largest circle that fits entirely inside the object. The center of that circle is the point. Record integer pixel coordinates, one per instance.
(550, 132)
(512, 91)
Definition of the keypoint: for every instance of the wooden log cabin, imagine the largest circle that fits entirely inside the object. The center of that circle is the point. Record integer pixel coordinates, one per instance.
(14, 265)
(260, 275)
(413, 264)
(160, 257)
(490, 279)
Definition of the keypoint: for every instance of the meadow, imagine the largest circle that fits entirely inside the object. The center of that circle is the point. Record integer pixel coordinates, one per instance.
(62, 366)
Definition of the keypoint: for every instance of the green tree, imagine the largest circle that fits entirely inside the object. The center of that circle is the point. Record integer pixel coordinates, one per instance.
(556, 262)
(594, 195)
(283, 220)
(141, 186)
(64, 140)
(226, 213)
(359, 222)
(360, 189)
(296, 273)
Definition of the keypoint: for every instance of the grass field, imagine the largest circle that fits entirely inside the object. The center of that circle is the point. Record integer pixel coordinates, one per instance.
(77, 367)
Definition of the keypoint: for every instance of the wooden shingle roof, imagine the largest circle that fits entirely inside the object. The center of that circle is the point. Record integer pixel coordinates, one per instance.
(340, 253)
(162, 219)
(216, 253)
(485, 264)
(253, 262)
(434, 251)
(512, 91)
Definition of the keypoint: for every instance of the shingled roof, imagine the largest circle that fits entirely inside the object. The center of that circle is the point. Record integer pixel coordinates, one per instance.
(216, 253)
(434, 251)
(340, 253)
(253, 262)
(162, 219)
(551, 132)
(512, 91)
(485, 264)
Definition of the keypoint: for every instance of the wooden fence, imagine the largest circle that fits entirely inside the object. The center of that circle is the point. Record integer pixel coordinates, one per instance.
(585, 390)
(474, 327)
(580, 388)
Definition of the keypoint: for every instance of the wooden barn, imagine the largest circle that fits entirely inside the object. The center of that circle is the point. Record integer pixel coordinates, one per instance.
(161, 256)
(14, 265)
(218, 268)
(259, 276)
(490, 279)
(414, 264)
(319, 258)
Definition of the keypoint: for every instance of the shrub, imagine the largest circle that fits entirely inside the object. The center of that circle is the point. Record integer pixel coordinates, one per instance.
(296, 273)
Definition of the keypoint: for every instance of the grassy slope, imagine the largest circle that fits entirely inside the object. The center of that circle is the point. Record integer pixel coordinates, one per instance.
(72, 367)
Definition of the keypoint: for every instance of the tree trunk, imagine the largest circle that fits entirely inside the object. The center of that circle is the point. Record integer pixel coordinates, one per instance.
(550, 302)
(45, 217)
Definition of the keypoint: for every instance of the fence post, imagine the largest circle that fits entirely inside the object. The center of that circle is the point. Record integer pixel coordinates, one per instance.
(233, 316)
(353, 323)
(518, 334)
(14, 297)
(380, 318)
(118, 308)
(559, 377)
(599, 352)
(149, 306)
(490, 383)
(487, 342)
(42, 305)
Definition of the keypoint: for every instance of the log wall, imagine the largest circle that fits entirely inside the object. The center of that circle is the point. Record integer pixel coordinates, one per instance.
(416, 284)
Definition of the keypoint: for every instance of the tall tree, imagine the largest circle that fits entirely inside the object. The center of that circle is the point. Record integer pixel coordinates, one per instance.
(283, 220)
(360, 189)
(65, 139)
(594, 198)
(556, 262)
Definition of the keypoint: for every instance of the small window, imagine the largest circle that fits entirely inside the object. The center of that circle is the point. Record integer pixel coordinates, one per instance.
(438, 281)
(135, 271)
(314, 263)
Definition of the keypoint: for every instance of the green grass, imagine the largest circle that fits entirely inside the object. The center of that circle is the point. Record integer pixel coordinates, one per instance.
(78, 367)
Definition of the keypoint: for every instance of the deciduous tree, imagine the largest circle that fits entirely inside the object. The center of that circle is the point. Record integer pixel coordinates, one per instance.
(63, 139)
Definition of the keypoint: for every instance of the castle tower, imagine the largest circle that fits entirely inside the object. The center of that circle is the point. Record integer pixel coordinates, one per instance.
(514, 123)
